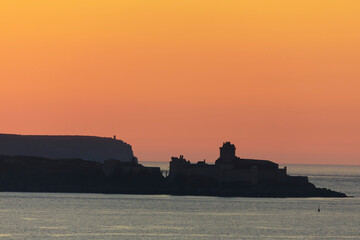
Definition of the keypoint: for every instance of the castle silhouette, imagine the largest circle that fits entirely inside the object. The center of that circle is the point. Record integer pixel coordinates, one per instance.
(230, 168)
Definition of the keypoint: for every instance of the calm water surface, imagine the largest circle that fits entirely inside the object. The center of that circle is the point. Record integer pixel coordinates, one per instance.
(97, 216)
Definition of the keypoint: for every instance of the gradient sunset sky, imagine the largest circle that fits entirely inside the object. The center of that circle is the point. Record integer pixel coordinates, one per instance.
(280, 79)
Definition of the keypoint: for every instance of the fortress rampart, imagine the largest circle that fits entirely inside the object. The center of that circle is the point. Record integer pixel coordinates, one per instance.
(230, 168)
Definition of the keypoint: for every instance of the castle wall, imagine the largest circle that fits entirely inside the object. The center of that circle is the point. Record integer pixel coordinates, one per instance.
(233, 175)
(268, 174)
(226, 172)
(207, 171)
(229, 168)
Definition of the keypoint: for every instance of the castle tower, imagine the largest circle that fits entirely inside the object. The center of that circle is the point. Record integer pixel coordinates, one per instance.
(177, 164)
(227, 151)
(227, 154)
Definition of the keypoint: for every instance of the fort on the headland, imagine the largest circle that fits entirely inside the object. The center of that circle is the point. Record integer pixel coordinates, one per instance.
(106, 165)
(230, 168)
(234, 176)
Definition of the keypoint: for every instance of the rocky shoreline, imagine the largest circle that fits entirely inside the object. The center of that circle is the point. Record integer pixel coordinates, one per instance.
(36, 174)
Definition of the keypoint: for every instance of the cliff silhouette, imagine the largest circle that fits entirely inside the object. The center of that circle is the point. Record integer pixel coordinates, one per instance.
(36, 174)
(229, 176)
(66, 147)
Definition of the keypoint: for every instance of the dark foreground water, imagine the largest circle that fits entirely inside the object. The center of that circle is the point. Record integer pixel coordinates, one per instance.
(96, 216)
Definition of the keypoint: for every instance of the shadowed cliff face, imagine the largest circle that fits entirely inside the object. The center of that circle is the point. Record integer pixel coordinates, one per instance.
(35, 174)
(82, 147)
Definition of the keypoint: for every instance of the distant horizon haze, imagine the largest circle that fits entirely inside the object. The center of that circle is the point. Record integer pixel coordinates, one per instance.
(279, 79)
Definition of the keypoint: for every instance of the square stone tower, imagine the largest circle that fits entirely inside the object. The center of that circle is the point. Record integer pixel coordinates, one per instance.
(227, 152)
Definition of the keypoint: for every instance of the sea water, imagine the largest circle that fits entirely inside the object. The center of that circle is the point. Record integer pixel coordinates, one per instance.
(100, 216)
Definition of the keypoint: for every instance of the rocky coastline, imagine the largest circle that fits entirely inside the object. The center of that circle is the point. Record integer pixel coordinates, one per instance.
(37, 174)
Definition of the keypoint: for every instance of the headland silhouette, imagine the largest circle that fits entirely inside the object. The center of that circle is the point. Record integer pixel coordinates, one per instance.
(229, 176)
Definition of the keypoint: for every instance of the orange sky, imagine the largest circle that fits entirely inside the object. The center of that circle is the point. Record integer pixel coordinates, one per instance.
(280, 79)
